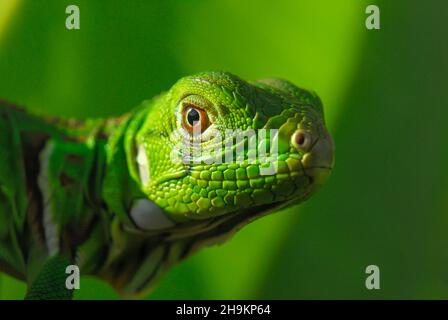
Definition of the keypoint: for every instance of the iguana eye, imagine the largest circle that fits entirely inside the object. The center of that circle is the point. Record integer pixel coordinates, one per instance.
(194, 119)
(193, 116)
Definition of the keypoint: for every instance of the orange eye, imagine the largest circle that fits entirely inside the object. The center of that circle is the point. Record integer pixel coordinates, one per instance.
(194, 120)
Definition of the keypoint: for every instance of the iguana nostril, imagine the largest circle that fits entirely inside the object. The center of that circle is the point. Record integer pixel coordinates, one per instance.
(301, 140)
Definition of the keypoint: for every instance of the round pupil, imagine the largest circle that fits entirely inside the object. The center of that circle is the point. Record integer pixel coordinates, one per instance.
(193, 116)
(301, 139)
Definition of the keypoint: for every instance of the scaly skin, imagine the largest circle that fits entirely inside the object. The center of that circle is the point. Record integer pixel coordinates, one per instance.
(124, 199)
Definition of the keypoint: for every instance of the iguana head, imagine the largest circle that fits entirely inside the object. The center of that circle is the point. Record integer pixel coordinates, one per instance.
(215, 145)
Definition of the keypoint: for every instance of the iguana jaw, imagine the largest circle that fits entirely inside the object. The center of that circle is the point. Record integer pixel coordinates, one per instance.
(298, 175)
(316, 166)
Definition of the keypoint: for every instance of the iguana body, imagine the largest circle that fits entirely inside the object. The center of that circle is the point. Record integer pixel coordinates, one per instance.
(124, 198)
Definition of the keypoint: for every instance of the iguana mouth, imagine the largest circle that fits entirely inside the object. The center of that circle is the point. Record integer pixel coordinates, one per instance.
(226, 225)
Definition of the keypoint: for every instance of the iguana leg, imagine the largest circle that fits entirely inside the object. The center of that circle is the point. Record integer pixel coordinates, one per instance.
(50, 282)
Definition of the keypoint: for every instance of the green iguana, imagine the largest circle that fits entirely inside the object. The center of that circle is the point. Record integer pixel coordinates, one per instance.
(125, 198)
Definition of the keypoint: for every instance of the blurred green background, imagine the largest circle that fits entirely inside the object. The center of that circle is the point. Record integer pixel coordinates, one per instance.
(385, 96)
